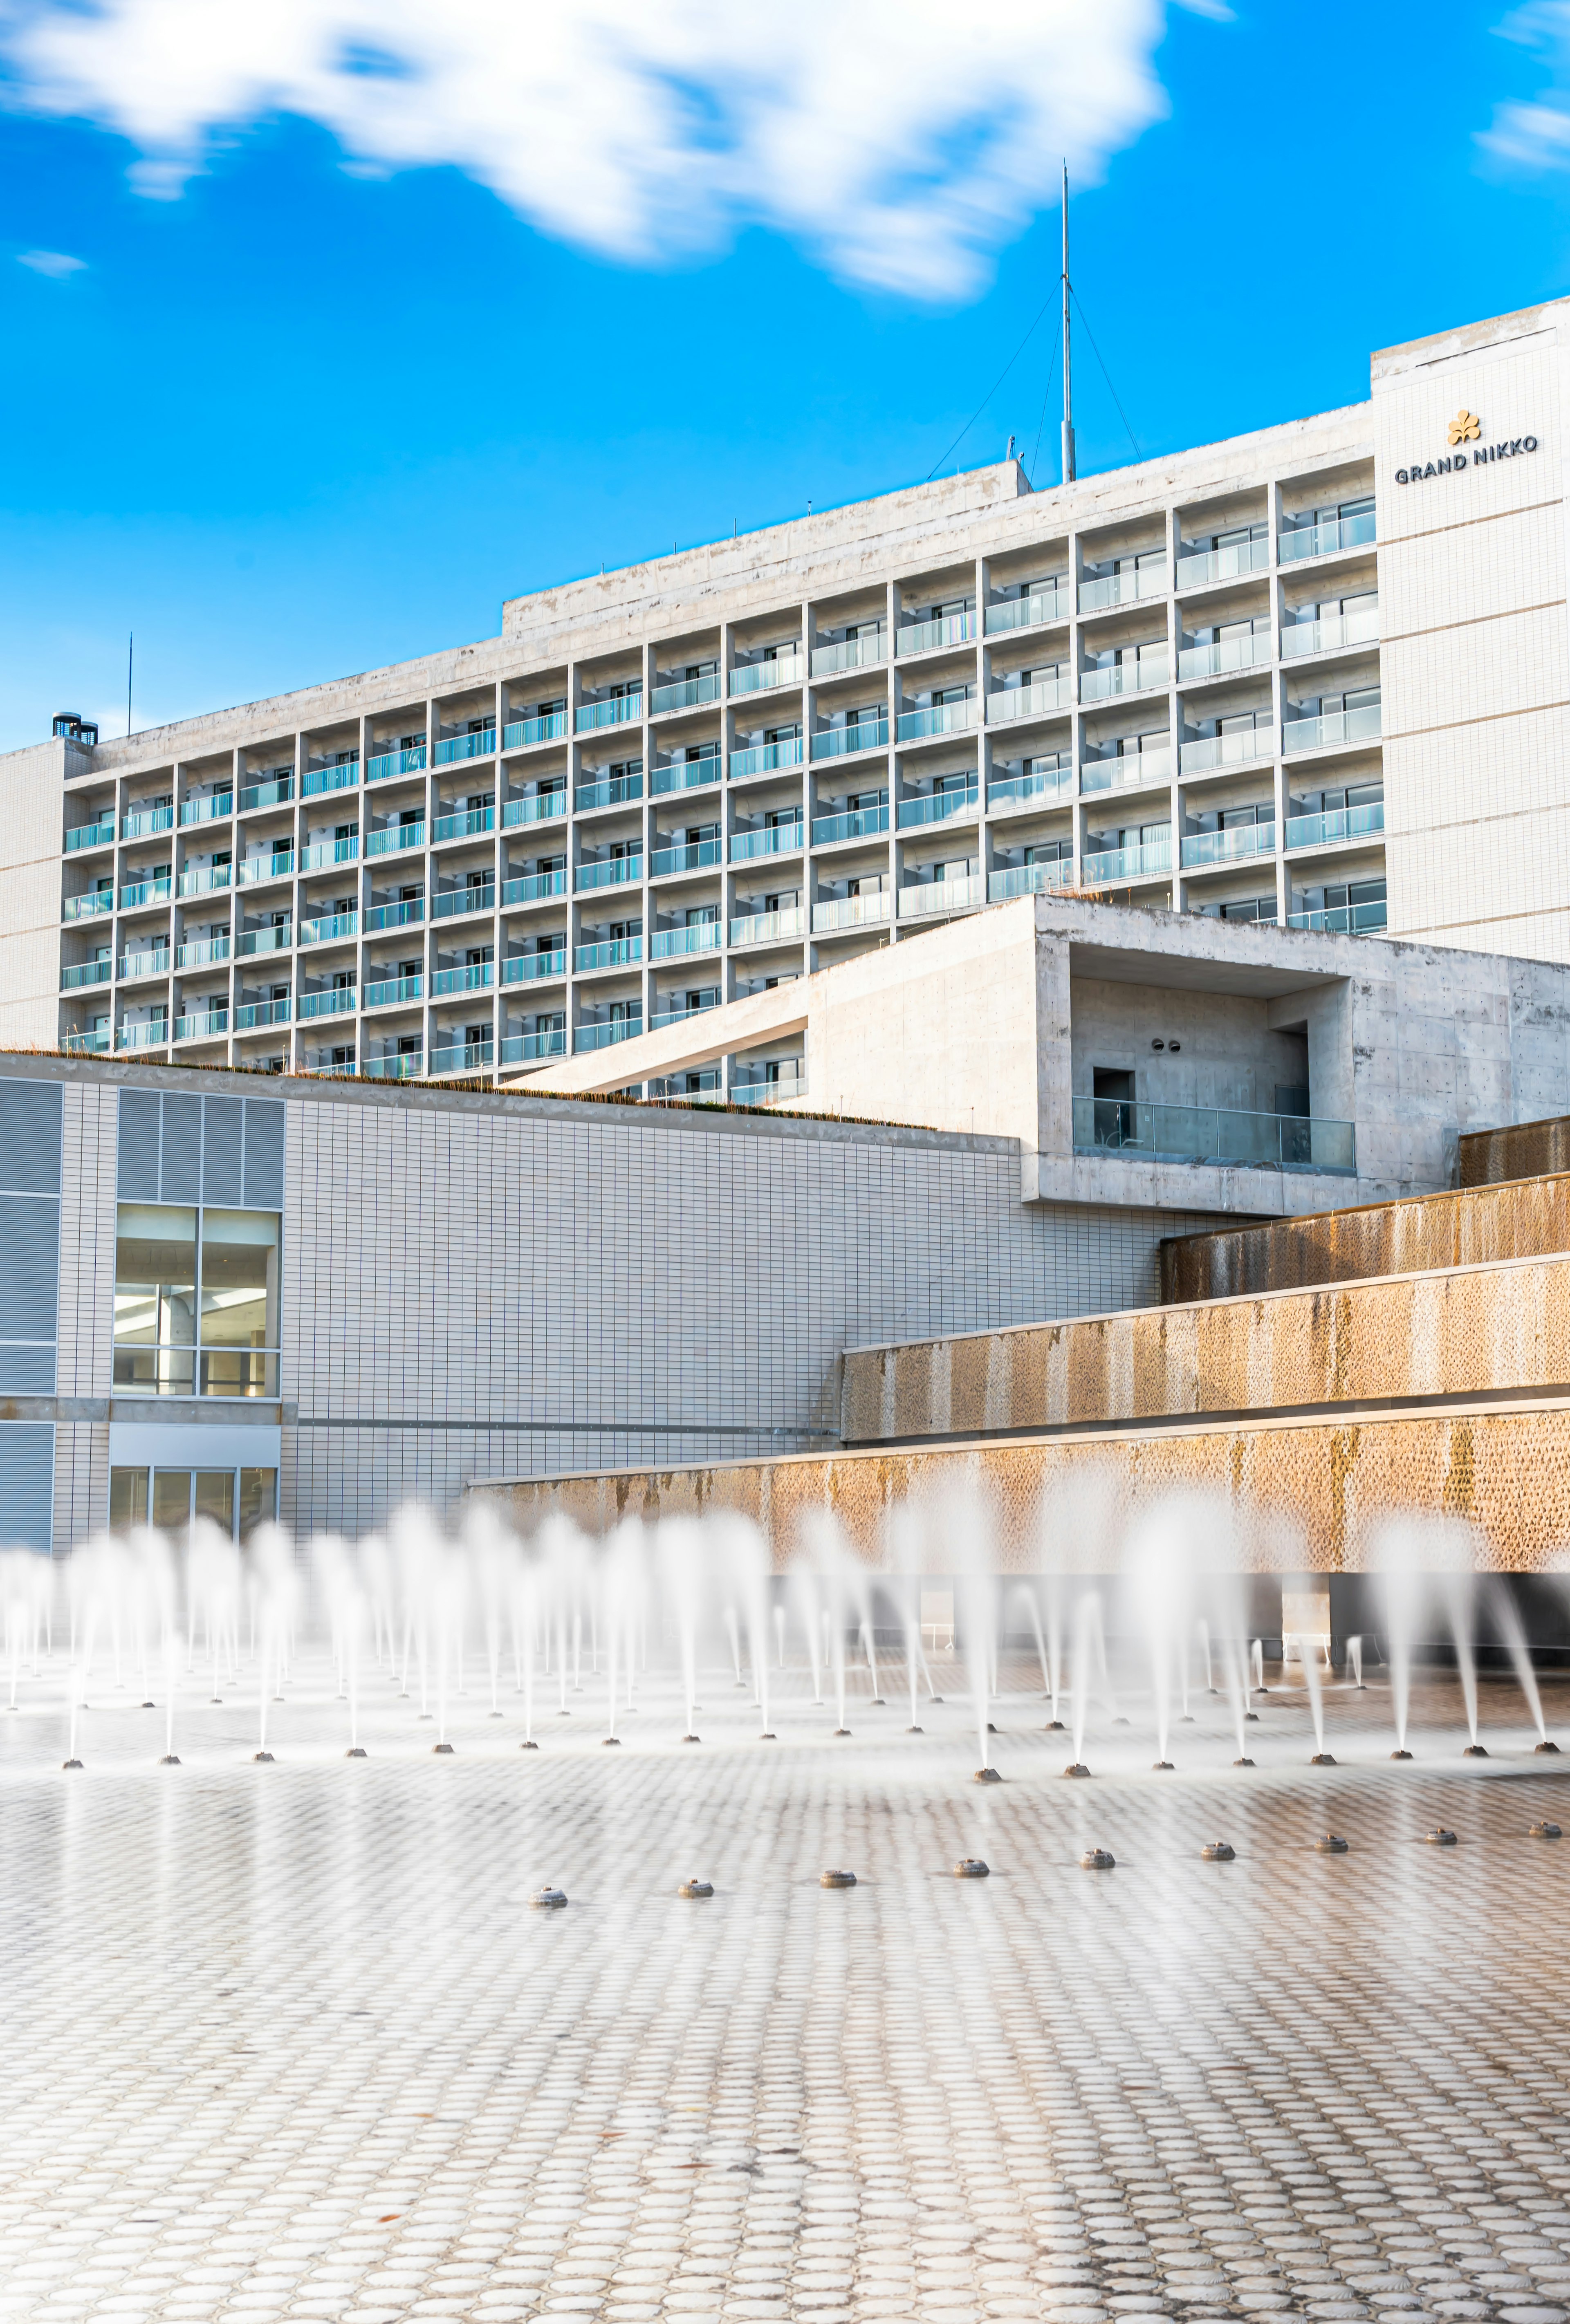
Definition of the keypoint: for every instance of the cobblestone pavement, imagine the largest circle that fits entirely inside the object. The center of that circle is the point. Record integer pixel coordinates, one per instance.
(288, 2041)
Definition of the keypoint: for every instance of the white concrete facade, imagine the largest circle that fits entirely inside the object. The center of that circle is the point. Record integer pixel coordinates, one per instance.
(668, 788)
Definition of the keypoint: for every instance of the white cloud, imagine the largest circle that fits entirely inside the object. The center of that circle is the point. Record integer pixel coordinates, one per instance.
(1535, 135)
(900, 142)
(52, 263)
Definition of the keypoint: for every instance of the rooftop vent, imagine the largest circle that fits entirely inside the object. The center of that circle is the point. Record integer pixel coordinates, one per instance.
(71, 728)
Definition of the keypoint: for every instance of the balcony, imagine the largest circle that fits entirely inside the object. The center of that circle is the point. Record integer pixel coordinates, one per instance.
(1223, 656)
(685, 1011)
(1301, 639)
(1245, 746)
(202, 1028)
(613, 871)
(328, 852)
(145, 821)
(1197, 1133)
(133, 965)
(1337, 825)
(406, 915)
(278, 792)
(89, 835)
(1201, 849)
(1333, 731)
(939, 806)
(1030, 790)
(387, 764)
(1326, 540)
(789, 1087)
(701, 856)
(206, 952)
(1197, 567)
(616, 710)
(338, 1000)
(454, 748)
(759, 676)
(765, 758)
(544, 807)
(85, 972)
(1030, 880)
(1029, 701)
(1109, 589)
(616, 952)
(620, 790)
(686, 774)
(1112, 865)
(393, 992)
(251, 1015)
(475, 976)
(1344, 919)
(924, 898)
(770, 927)
(1140, 677)
(395, 839)
(1132, 770)
(463, 1057)
(95, 901)
(685, 692)
(675, 944)
(265, 940)
(859, 822)
(95, 1044)
(216, 809)
(207, 880)
(454, 902)
(773, 839)
(471, 823)
(344, 775)
(1029, 612)
(937, 718)
(843, 912)
(849, 653)
(255, 868)
(527, 1048)
(930, 637)
(403, 1066)
(152, 1036)
(145, 891)
(329, 927)
(532, 967)
(523, 732)
(604, 1036)
(532, 886)
(845, 742)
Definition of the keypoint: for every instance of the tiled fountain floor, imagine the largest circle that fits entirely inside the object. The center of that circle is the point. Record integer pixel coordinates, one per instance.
(287, 2041)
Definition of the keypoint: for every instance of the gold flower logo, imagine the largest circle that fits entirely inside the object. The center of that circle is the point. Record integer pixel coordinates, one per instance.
(1466, 428)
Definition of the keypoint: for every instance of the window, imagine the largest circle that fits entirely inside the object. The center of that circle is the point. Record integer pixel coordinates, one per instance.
(195, 1301)
(170, 1498)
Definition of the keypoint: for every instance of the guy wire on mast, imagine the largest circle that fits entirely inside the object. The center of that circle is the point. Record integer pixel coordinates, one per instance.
(1068, 468)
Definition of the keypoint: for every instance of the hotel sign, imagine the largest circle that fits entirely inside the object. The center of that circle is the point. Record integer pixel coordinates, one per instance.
(1466, 428)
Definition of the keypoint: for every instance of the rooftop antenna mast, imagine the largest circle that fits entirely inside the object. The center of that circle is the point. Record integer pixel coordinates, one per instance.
(1068, 467)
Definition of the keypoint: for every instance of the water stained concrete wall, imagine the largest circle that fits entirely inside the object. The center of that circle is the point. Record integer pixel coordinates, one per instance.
(1522, 1149)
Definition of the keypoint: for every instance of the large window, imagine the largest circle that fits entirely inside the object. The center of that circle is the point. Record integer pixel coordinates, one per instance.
(195, 1301)
(234, 1499)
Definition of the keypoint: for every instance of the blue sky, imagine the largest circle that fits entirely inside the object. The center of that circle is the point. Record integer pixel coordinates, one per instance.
(352, 353)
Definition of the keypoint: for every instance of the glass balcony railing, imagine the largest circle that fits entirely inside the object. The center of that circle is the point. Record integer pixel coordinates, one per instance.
(1030, 790)
(1108, 866)
(88, 907)
(522, 731)
(845, 742)
(204, 952)
(1201, 849)
(683, 1011)
(1197, 567)
(788, 1087)
(395, 839)
(393, 991)
(939, 806)
(207, 880)
(770, 927)
(329, 927)
(851, 912)
(686, 774)
(1029, 612)
(251, 1015)
(1132, 770)
(463, 1056)
(84, 972)
(604, 1036)
(616, 710)
(532, 885)
(1109, 589)
(400, 1065)
(542, 806)
(1344, 919)
(849, 653)
(1244, 746)
(452, 903)
(265, 940)
(1038, 701)
(685, 692)
(1125, 677)
(202, 1027)
(153, 1035)
(256, 868)
(859, 822)
(133, 965)
(277, 792)
(676, 944)
(469, 823)
(759, 676)
(1335, 728)
(1221, 655)
(1326, 540)
(611, 872)
(616, 951)
(338, 1000)
(386, 764)
(145, 822)
(531, 967)
(774, 839)
(1196, 1133)
(765, 758)
(618, 791)
(95, 1044)
(452, 748)
(924, 898)
(1030, 880)
(343, 776)
(928, 637)
(207, 811)
(527, 1048)
(1300, 639)
(145, 891)
(407, 914)
(325, 853)
(698, 857)
(475, 976)
(937, 718)
(1335, 826)
(89, 835)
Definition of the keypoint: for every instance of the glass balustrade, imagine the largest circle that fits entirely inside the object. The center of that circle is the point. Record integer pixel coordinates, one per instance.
(1027, 790)
(1326, 540)
(400, 1065)
(1332, 635)
(604, 1036)
(84, 972)
(338, 1000)
(1335, 826)
(89, 834)
(921, 898)
(532, 886)
(1344, 919)
(1038, 701)
(527, 1049)
(453, 902)
(616, 951)
(328, 928)
(939, 806)
(937, 718)
(619, 710)
(146, 891)
(405, 915)
(145, 822)
(256, 868)
(252, 1014)
(203, 954)
(469, 823)
(395, 839)
(202, 1027)
(475, 976)
(858, 822)
(207, 880)
(522, 731)
(393, 991)
(529, 967)
(1197, 567)
(674, 943)
(276, 793)
(1137, 1132)
(1124, 677)
(541, 806)
(698, 857)
(613, 871)
(759, 676)
(774, 839)
(463, 1058)
(387, 764)
(845, 742)
(1245, 746)
(849, 653)
(1109, 865)
(133, 965)
(319, 779)
(619, 791)
(769, 927)
(1333, 729)
(851, 912)
(1203, 848)
(1030, 880)
(685, 692)
(929, 637)
(1130, 772)
(1105, 590)
(325, 853)
(1029, 612)
(453, 748)
(88, 907)
(207, 811)
(765, 758)
(686, 774)
(1224, 655)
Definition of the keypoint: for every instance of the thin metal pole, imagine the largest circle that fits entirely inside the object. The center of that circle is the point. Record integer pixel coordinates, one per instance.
(130, 665)
(1068, 467)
